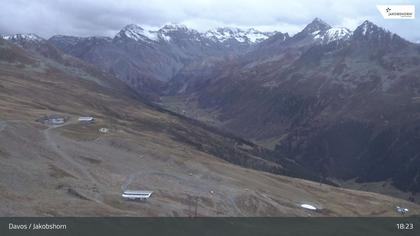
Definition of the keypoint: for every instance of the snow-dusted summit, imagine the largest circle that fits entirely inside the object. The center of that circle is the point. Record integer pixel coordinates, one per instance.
(320, 32)
(137, 33)
(24, 37)
(220, 35)
(250, 35)
(140, 33)
(332, 34)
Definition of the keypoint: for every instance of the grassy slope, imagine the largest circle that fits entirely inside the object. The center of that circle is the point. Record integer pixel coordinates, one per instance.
(74, 170)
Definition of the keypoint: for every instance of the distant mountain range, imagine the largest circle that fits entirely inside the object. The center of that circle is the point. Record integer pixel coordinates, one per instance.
(342, 103)
(146, 59)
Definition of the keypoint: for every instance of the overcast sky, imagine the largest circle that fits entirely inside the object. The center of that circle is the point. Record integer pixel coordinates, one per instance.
(106, 17)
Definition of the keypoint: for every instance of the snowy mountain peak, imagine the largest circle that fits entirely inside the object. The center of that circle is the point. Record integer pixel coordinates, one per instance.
(368, 27)
(369, 31)
(222, 34)
(250, 35)
(332, 35)
(132, 27)
(137, 33)
(169, 31)
(316, 25)
(178, 31)
(336, 33)
(23, 37)
(150, 35)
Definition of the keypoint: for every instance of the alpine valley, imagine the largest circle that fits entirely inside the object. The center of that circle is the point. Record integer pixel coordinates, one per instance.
(248, 123)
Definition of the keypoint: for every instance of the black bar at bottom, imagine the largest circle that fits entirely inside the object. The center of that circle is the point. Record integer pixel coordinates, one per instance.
(261, 226)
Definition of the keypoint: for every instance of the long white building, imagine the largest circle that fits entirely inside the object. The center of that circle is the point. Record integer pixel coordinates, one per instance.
(86, 119)
(136, 194)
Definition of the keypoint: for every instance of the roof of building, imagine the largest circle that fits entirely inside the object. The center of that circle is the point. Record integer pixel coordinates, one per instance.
(309, 207)
(83, 118)
(131, 194)
(137, 192)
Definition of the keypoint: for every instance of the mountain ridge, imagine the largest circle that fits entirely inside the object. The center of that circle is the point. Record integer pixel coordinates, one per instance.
(83, 171)
(315, 100)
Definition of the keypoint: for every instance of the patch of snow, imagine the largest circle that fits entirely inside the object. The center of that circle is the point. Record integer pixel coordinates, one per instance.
(223, 34)
(28, 37)
(256, 36)
(220, 34)
(317, 36)
(332, 34)
(152, 35)
(365, 27)
(316, 32)
(137, 33)
(166, 37)
(309, 207)
(337, 33)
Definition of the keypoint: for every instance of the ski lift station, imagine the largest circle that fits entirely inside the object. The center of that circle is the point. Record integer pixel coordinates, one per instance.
(136, 194)
(52, 120)
(57, 121)
(86, 119)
